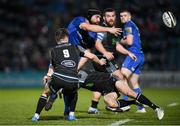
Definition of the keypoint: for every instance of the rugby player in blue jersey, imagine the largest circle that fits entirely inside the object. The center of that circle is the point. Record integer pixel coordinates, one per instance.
(131, 69)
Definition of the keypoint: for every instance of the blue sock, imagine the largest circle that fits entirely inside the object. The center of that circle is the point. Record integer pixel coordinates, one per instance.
(138, 90)
(125, 97)
(66, 106)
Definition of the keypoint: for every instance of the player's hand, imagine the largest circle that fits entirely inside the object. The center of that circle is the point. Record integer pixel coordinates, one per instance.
(109, 55)
(102, 61)
(132, 56)
(115, 31)
(46, 79)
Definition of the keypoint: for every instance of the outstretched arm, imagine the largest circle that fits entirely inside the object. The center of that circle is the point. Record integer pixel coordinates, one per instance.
(96, 28)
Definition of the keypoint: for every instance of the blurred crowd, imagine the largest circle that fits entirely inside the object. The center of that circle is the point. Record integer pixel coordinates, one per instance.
(26, 25)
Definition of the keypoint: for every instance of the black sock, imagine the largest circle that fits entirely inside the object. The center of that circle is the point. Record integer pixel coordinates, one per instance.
(142, 99)
(123, 103)
(74, 98)
(41, 103)
(94, 104)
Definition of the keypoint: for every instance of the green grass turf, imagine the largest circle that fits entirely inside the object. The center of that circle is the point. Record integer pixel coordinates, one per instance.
(17, 107)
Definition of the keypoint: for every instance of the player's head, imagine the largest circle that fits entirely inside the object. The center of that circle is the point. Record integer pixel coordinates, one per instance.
(125, 16)
(94, 16)
(61, 35)
(109, 16)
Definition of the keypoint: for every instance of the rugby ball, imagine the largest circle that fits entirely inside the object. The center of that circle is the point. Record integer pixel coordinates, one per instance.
(169, 19)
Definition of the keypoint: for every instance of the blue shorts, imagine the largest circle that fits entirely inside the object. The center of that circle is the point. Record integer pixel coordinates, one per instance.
(134, 66)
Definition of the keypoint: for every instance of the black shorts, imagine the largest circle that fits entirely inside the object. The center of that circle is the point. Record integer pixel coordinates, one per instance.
(57, 83)
(99, 81)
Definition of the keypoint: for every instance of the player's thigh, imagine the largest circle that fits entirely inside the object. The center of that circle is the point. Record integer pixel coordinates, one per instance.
(118, 74)
(126, 72)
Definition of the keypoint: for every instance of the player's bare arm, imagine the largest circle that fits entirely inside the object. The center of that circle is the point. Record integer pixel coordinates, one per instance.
(47, 77)
(94, 58)
(96, 28)
(128, 40)
(124, 51)
(99, 46)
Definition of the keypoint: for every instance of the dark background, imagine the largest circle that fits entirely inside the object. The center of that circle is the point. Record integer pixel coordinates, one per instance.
(26, 25)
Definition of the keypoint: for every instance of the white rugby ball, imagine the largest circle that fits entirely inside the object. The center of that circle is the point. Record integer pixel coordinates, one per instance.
(169, 19)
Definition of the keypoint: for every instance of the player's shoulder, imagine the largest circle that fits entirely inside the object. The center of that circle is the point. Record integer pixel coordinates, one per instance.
(80, 18)
(130, 24)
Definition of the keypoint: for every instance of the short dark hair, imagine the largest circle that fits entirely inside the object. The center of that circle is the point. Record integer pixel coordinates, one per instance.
(60, 34)
(125, 10)
(108, 10)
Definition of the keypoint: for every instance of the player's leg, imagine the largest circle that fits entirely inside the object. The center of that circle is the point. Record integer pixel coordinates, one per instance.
(139, 97)
(127, 73)
(93, 109)
(133, 80)
(117, 105)
(94, 102)
(50, 101)
(118, 75)
(41, 103)
(72, 99)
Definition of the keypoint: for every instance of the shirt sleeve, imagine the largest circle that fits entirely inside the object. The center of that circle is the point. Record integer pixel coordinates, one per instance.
(100, 36)
(128, 29)
(78, 20)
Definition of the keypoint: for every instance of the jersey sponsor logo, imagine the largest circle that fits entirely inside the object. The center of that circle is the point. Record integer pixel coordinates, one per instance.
(128, 30)
(68, 63)
(89, 84)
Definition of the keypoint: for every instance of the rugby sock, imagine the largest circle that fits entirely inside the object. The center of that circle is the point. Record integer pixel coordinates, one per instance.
(94, 104)
(123, 103)
(125, 97)
(73, 101)
(66, 105)
(138, 90)
(142, 99)
(41, 103)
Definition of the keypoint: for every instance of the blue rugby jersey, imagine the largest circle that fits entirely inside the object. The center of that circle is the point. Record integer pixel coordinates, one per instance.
(131, 28)
(79, 36)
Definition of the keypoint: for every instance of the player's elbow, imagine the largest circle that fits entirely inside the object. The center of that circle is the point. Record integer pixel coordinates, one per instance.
(129, 42)
(84, 26)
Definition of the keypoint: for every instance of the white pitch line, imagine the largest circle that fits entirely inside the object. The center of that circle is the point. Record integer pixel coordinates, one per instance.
(173, 104)
(117, 123)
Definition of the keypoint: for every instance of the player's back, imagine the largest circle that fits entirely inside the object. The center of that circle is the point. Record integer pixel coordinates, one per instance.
(65, 59)
(131, 28)
(73, 29)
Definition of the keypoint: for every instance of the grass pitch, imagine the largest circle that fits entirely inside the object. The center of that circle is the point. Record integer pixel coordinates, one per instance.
(17, 107)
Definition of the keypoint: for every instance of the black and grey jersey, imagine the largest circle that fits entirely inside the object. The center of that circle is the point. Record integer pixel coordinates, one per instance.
(108, 40)
(65, 59)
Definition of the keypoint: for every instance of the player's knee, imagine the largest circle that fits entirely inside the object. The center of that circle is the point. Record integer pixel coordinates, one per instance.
(96, 96)
(46, 93)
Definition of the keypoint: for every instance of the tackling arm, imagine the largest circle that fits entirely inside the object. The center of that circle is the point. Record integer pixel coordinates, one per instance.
(96, 28)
